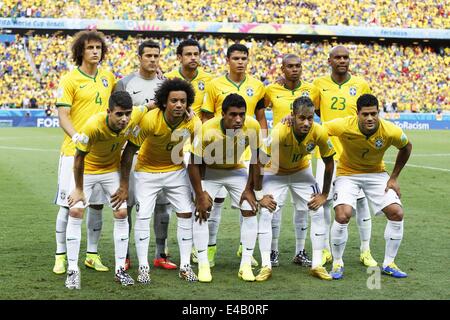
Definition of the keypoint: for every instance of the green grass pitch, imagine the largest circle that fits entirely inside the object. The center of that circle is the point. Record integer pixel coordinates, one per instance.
(28, 176)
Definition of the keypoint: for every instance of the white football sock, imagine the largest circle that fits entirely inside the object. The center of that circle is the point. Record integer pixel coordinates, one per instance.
(142, 238)
(61, 226)
(184, 236)
(73, 239)
(94, 223)
(265, 236)
(364, 222)
(301, 229)
(214, 222)
(276, 228)
(200, 235)
(327, 222)
(121, 238)
(160, 226)
(393, 235)
(249, 233)
(317, 235)
(339, 236)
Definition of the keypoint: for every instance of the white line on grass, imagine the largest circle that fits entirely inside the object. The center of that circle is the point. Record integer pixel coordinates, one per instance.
(27, 149)
(413, 155)
(422, 167)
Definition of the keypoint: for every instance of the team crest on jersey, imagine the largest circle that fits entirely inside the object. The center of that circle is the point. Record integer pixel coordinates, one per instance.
(250, 92)
(62, 195)
(305, 94)
(310, 146)
(379, 143)
(105, 82)
(201, 85)
(352, 91)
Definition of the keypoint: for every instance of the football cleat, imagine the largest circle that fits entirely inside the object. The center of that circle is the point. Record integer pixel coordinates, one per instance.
(274, 255)
(123, 278)
(264, 274)
(143, 275)
(302, 259)
(127, 264)
(245, 273)
(73, 280)
(337, 272)
(204, 273)
(60, 264)
(194, 257)
(367, 259)
(94, 261)
(239, 254)
(211, 255)
(394, 271)
(164, 263)
(186, 273)
(321, 273)
(326, 257)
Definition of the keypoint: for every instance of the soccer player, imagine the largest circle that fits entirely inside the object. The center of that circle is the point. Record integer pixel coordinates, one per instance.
(223, 142)
(252, 90)
(97, 162)
(142, 86)
(365, 138)
(160, 168)
(82, 93)
(280, 98)
(188, 54)
(289, 169)
(338, 94)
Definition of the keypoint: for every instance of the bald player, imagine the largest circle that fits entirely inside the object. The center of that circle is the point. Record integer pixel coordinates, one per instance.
(339, 92)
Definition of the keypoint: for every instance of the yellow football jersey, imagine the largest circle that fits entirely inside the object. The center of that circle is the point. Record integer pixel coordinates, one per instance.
(338, 101)
(251, 89)
(161, 144)
(200, 82)
(223, 150)
(104, 145)
(289, 153)
(363, 154)
(85, 96)
(282, 98)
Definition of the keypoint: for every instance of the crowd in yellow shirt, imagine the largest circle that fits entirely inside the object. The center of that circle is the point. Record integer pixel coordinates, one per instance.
(386, 13)
(413, 77)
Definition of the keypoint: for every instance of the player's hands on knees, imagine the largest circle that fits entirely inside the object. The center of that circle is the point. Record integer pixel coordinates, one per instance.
(268, 202)
(318, 199)
(249, 196)
(203, 205)
(76, 196)
(288, 120)
(119, 197)
(393, 184)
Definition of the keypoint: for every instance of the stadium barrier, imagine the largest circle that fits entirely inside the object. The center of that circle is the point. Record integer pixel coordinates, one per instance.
(223, 27)
(408, 121)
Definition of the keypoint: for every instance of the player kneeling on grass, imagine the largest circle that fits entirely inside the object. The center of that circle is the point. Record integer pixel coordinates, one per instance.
(365, 138)
(219, 150)
(160, 169)
(288, 169)
(97, 162)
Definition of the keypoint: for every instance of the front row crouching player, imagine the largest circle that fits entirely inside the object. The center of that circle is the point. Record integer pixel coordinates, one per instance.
(159, 168)
(97, 162)
(365, 138)
(221, 145)
(289, 169)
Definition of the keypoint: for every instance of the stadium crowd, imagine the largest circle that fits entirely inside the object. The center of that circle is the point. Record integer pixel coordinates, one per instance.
(386, 13)
(408, 78)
